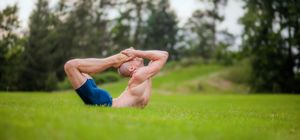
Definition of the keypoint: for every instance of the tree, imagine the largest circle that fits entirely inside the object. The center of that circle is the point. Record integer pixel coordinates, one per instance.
(121, 32)
(61, 34)
(88, 28)
(128, 26)
(216, 17)
(10, 48)
(39, 55)
(161, 29)
(203, 43)
(203, 25)
(272, 40)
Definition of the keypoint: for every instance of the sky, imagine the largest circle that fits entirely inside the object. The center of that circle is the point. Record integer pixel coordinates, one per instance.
(183, 9)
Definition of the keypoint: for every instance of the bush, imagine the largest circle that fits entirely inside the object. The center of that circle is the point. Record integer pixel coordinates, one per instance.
(240, 72)
(171, 65)
(51, 82)
(184, 62)
(107, 77)
(65, 84)
(191, 61)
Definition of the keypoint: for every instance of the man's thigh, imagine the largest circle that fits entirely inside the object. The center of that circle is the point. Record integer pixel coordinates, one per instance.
(87, 76)
(76, 78)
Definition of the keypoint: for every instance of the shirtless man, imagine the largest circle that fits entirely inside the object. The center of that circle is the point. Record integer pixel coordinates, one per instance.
(130, 63)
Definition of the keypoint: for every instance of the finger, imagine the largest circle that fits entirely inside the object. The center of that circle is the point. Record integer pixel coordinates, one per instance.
(132, 56)
(124, 52)
(129, 58)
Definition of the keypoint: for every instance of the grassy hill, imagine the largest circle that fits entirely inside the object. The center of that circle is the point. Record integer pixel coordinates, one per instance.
(191, 102)
(194, 79)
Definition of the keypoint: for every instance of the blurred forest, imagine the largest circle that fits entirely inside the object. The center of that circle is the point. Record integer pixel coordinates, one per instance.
(34, 60)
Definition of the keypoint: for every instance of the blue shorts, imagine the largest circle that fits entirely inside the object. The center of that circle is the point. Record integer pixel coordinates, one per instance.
(92, 95)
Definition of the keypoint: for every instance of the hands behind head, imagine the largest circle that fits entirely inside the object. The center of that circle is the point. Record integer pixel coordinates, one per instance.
(123, 57)
(129, 52)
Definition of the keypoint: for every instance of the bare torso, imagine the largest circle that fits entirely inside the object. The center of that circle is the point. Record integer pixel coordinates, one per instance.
(138, 91)
(137, 96)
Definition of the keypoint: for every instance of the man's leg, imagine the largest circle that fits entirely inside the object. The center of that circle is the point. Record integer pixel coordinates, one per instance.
(77, 69)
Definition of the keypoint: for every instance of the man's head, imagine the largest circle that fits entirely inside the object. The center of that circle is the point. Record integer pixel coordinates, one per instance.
(129, 67)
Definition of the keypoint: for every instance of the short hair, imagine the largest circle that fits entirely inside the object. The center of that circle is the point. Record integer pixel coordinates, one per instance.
(123, 69)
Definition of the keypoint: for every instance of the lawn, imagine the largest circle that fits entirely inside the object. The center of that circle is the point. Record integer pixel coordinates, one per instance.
(173, 113)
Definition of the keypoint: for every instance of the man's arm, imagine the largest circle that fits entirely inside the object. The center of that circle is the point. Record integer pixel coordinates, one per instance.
(158, 59)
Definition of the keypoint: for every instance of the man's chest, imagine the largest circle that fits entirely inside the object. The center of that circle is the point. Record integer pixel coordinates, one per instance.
(140, 89)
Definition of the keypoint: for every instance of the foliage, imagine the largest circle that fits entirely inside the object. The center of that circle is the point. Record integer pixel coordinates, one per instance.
(128, 26)
(39, 51)
(64, 85)
(202, 27)
(83, 29)
(102, 78)
(107, 77)
(161, 29)
(272, 40)
(10, 48)
(34, 59)
(240, 72)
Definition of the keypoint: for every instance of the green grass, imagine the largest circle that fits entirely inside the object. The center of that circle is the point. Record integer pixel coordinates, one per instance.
(216, 113)
(63, 116)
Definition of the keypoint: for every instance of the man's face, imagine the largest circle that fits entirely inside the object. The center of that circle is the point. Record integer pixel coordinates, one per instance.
(128, 68)
(137, 62)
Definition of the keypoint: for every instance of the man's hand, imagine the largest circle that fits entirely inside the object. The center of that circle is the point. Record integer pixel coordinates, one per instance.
(130, 52)
(120, 59)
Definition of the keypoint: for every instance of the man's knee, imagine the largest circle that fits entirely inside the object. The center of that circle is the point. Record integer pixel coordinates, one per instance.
(71, 64)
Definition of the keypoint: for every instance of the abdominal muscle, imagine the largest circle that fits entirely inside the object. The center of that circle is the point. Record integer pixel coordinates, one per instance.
(134, 97)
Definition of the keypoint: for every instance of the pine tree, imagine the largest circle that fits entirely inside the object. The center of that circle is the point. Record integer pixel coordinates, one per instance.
(39, 73)
(11, 46)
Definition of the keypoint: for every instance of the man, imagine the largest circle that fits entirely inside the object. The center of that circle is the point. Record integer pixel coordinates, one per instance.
(130, 64)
